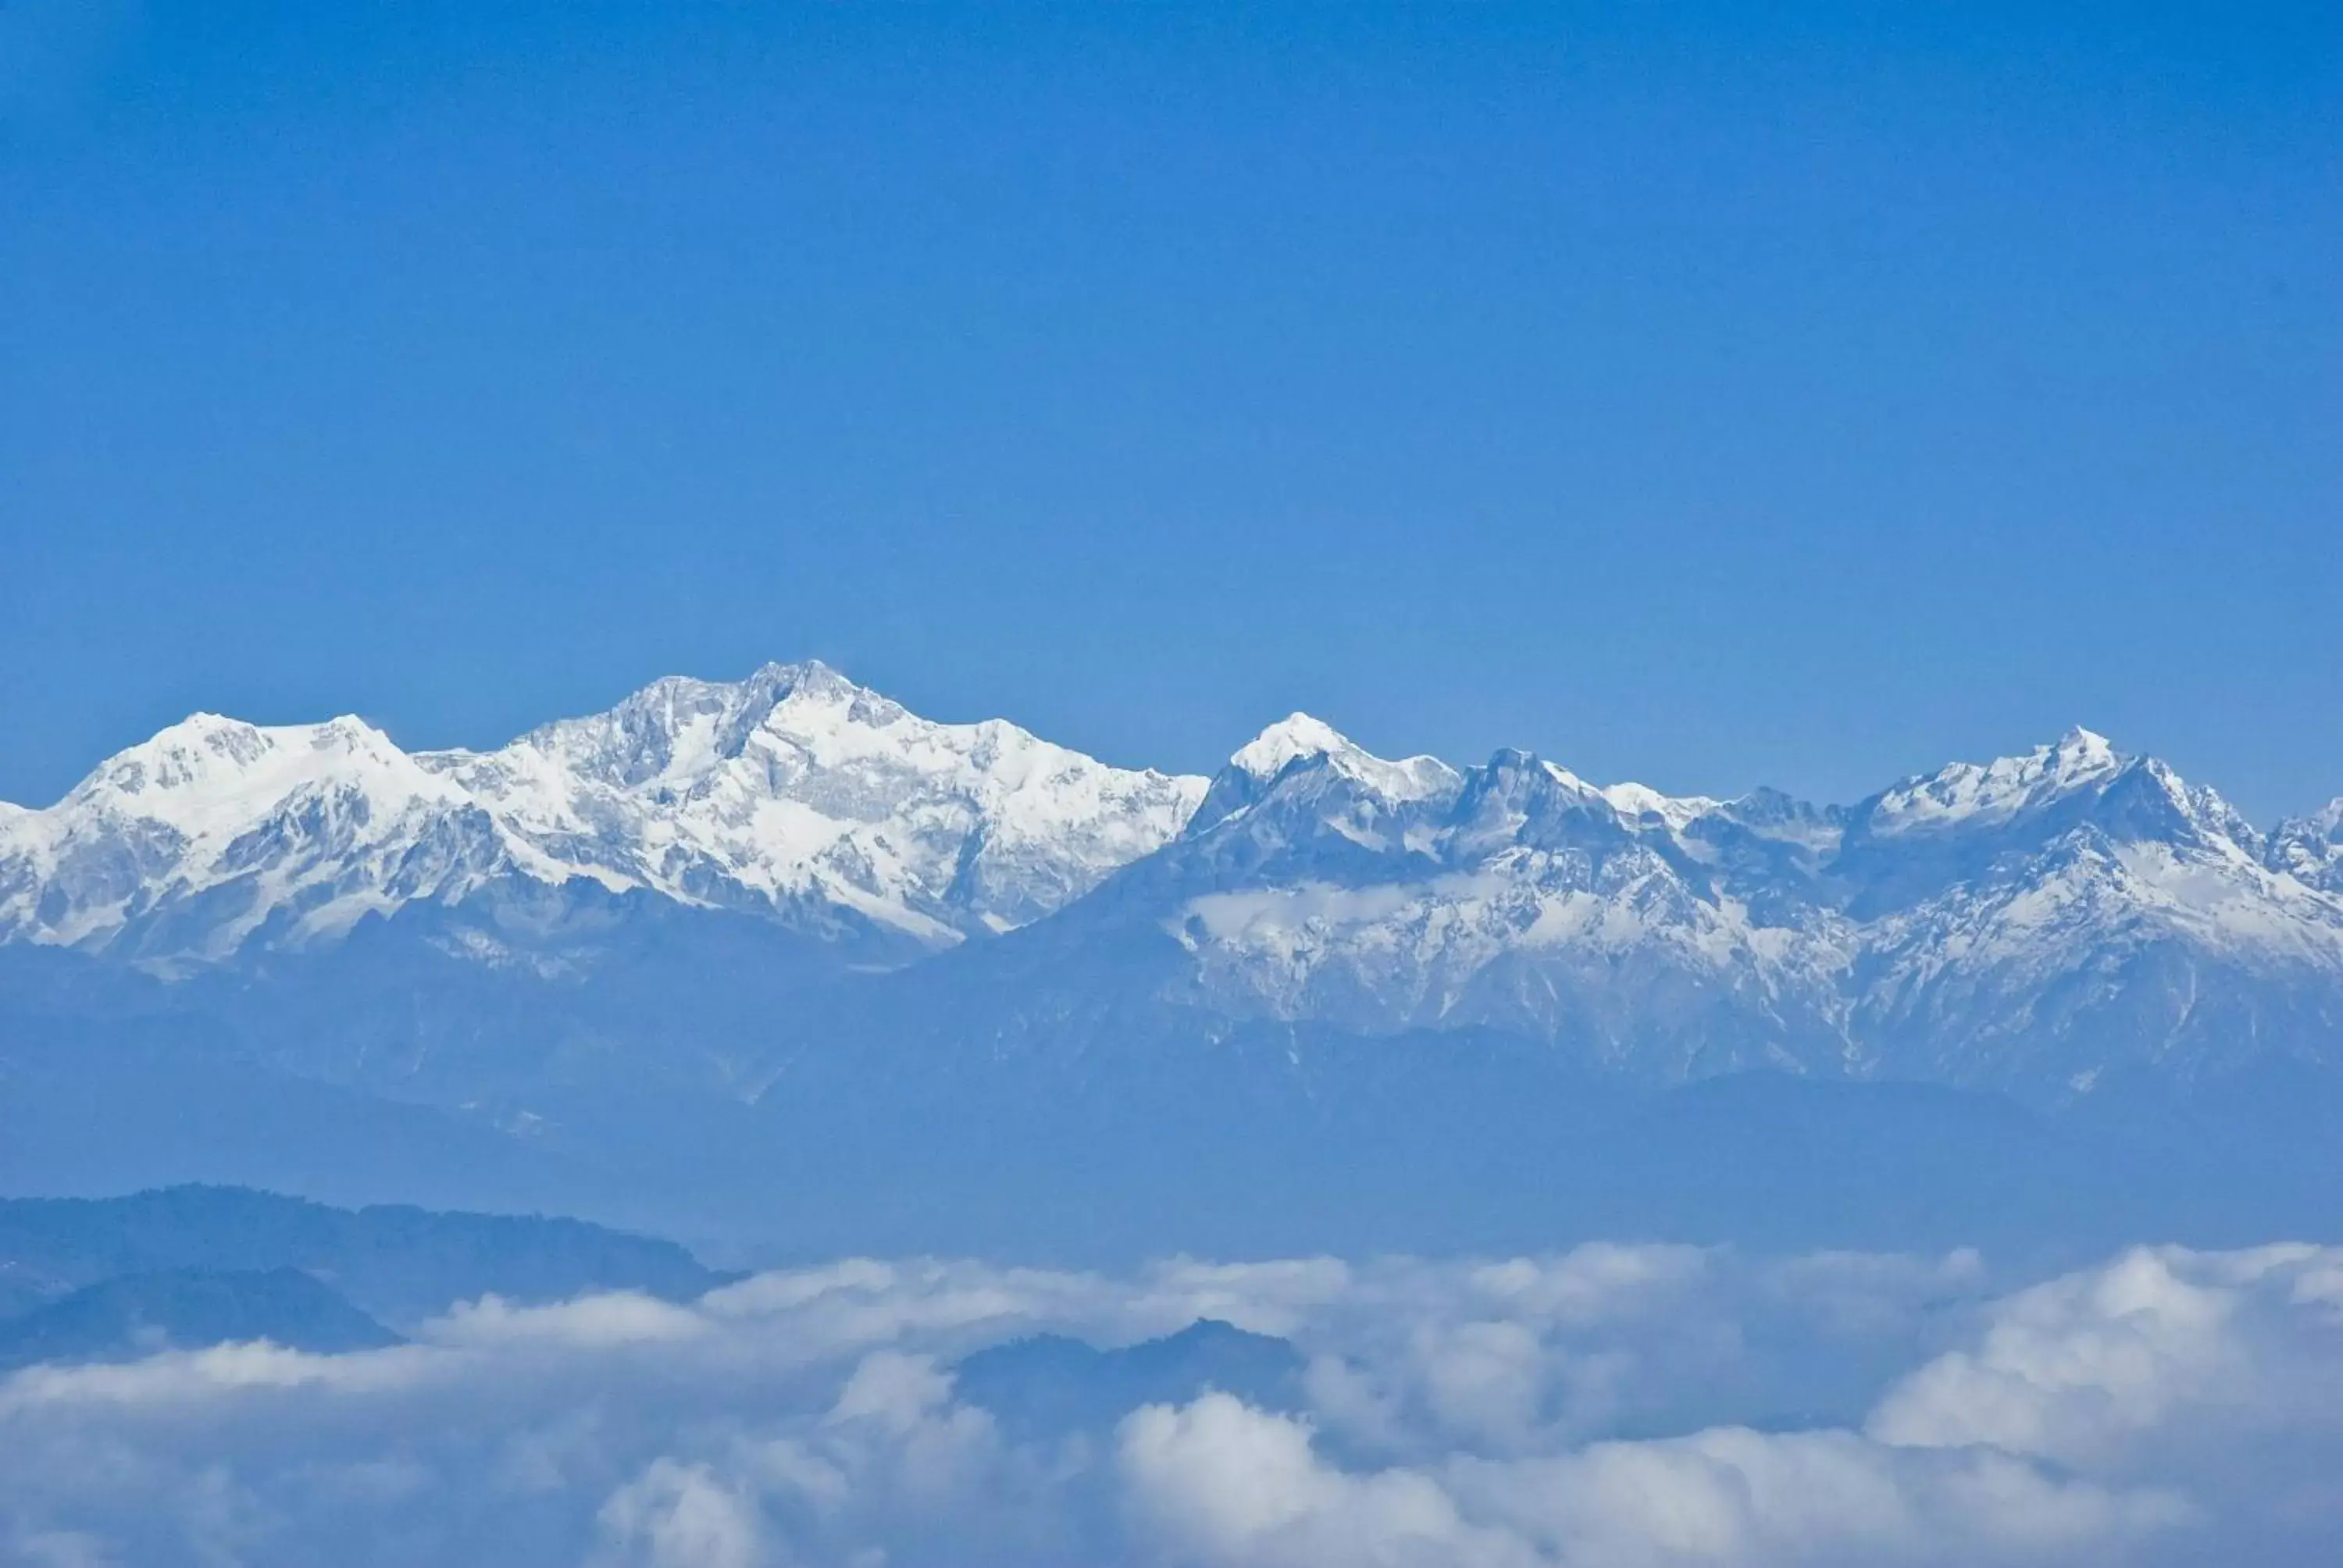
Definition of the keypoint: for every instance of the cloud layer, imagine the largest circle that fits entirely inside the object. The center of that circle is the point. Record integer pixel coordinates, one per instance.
(1614, 1405)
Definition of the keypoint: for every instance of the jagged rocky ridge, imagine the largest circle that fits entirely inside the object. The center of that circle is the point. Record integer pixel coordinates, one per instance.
(2035, 922)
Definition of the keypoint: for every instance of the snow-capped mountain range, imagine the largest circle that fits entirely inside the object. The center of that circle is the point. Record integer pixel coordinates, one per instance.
(793, 794)
(2037, 918)
(2035, 921)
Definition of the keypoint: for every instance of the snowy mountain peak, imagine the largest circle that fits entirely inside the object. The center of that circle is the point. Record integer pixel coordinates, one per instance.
(1637, 802)
(679, 727)
(215, 829)
(1514, 773)
(207, 772)
(1303, 738)
(810, 684)
(798, 790)
(1266, 755)
(2326, 823)
(2310, 849)
(1311, 778)
(1968, 795)
(2084, 749)
(807, 674)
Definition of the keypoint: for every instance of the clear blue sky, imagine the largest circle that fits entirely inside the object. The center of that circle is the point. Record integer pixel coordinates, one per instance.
(1690, 393)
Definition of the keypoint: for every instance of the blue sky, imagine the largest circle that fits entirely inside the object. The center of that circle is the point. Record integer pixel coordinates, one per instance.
(1703, 394)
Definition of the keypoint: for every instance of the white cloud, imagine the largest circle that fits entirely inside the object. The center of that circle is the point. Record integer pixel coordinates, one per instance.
(679, 1516)
(1732, 1495)
(1614, 1405)
(2083, 1368)
(1228, 1483)
(180, 1377)
(618, 1318)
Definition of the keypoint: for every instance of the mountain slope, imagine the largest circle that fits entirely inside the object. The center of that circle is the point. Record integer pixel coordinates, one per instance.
(398, 1263)
(134, 1315)
(1050, 1385)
